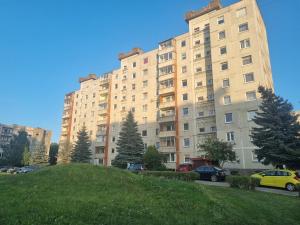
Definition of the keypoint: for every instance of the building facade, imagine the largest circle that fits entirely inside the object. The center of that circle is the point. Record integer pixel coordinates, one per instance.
(36, 136)
(199, 84)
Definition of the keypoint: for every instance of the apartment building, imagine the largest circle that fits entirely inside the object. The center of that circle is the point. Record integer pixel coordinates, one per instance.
(36, 136)
(199, 84)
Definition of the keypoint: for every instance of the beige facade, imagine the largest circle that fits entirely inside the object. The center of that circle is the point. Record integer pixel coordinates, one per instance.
(199, 84)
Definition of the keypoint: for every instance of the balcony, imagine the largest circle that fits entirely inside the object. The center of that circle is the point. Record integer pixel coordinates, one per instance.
(167, 149)
(166, 90)
(67, 115)
(103, 100)
(166, 118)
(100, 143)
(102, 121)
(166, 133)
(101, 132)
(64, 133)
(103, 111)
(207, 102)
(169, 104)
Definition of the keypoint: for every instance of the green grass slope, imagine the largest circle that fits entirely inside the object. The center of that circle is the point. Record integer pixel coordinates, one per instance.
(89, 195)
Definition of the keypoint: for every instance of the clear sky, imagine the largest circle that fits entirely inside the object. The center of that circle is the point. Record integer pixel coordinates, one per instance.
(45, 46)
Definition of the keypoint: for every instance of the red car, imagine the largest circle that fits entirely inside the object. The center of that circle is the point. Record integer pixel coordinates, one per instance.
(186, 167)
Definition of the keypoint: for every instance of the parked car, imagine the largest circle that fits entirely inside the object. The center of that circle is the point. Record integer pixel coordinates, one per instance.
(25, 169)
(211, 173)
(287, 179)
(3, 169)
(185, 167)
(136, 167)
(11, 170)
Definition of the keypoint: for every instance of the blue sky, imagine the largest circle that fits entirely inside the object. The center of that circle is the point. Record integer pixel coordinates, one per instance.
(46, 45)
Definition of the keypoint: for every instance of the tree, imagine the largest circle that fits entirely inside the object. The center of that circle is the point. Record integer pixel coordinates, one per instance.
(277, 135)
(81, 152)
(64, 152)
(218, 151)
(26, 157)
(153, 160)
(130, 146)
(39, 155)
(13, 153)
(53, 153)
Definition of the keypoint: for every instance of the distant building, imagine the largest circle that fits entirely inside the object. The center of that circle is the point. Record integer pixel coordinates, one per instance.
(36, 136)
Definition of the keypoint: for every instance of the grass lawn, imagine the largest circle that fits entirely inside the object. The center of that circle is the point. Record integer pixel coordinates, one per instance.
(90, 195)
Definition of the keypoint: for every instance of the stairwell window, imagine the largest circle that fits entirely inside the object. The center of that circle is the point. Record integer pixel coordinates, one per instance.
(247, 60)
(222, 35)
(243, 27)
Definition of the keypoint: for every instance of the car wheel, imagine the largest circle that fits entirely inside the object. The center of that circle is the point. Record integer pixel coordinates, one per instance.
(290, 187)
(214, 178)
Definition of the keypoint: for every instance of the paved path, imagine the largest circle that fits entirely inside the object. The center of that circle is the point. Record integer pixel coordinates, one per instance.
(262, 189)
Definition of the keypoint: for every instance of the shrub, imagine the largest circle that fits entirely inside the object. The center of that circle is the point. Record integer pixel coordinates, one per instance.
(189, 176)
(234, 172)
(243, 182)
(298, 188)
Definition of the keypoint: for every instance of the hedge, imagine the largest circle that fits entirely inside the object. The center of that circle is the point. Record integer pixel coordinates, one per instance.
(243, 182)
(188, 176)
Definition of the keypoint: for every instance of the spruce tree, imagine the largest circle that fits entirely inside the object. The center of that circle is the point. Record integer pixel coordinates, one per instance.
(130, 146)
(64, 152)
(277, 134)
(81, 152)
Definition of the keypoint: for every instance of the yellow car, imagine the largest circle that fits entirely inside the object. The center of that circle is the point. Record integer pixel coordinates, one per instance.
(279, 178)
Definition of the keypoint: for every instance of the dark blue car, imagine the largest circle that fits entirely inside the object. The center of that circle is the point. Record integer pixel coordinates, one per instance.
(135, 167)
(211, 173)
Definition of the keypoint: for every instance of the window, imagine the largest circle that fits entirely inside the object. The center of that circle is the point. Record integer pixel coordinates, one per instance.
(185, 111)
(245, 43)
(144, 119)
(227, 100)
(213, 129)
(144, 133)
(200, 98)
(226, 83)
(210, 97)
(145, 95)
(133, 75)
(183, 69)
(186, 142)
(223, 50)
(198, 56)
(185, 97)
(199, 84)
(145, 72)
(248, 77)
(200, 114)
(187, 159)
(145, 108)
(184, 83)
(228, 117)
(167, 142)
(115, 106)
(183, 56)
(241, 12)
(145, 83)
(222, 35)
(198, 70)
(123, 108)
(197, 43)
(230, 136)
(116, 97)
(251, 96)
(196, 29)
(221, 20)
(112, 150)
(202, 129)
(134, 64)
(224, 66)
(146, 60)
(247, 60)
(210, 82)
(165, 57)
(251, 114)
(186, 126)
(183, 43)
(165, 70)
(133, 98)
(116, 86)
(243, 27)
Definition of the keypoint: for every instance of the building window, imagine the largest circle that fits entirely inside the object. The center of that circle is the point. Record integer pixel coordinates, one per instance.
(133, 75)
(144, 133)
(145, 72)
(210, 82)
(185, 111)
(241, 12)
(165, 70)
(165, 57)
(247, 60)
(200, 114)
(186, 142)
(245, 43)
(197, 43)
(113, 150)
(251, 114)
(224, 66)
(185, 97)
(196, 29)
(200, 98)
(248, 77)
(198, 56)
(133, 98)
(145, 95)
(183, 69)
(221, 20)
(213, 129)
(133, 109)
(146, 60)
(183, 43)
(222, 35)
(145, 107)
(183, 56)
(115, 106)
(145, 83)
(227, 100)
(134, 64)
(199, 84)
(228, 118)
(184, 83)
(230, 136)
(116, 86)
(251, 96)
(226, 83)
(202, 129)
(186, 126)
(198, 70)
(223, 50)
(243, 27)
(187, 159)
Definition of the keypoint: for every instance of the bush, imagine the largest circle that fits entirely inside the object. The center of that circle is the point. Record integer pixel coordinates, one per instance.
(234, 172)
(243, 182)
(189, 176)
(298, 188)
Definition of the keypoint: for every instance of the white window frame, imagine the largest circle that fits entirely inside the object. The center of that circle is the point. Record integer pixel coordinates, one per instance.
(250, 100)
(184, 143)
(226, 79)
(225, 118)
(229, 100)
(245, 80)
(221, 20)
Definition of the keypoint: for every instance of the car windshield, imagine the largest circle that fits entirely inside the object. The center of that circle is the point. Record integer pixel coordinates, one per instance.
(217, 168)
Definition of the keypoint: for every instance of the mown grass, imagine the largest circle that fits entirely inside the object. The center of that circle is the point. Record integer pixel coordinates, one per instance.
(89, 195)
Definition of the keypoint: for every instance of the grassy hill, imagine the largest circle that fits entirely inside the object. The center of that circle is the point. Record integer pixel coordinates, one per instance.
(85, 194)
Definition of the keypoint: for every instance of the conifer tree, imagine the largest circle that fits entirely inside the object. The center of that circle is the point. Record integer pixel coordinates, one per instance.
(277, 134)
(81, 152)
(39, 155)
(130, 146)
(64, 152)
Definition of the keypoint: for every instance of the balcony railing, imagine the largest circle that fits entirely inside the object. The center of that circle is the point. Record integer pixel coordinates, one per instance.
(168, 104)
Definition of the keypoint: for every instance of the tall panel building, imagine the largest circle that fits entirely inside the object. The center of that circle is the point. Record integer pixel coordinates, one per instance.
(199, 84)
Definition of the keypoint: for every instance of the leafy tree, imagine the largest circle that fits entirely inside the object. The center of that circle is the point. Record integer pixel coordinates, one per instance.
(130, 146)
(277, 134)
(26, 157)
(39, 155)
(53, 153)
(218, 151)
(81, 152)
(64, 152)
(13, 153)
(153, 160)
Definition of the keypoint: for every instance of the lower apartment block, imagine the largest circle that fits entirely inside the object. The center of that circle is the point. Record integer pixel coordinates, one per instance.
(202, 83)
